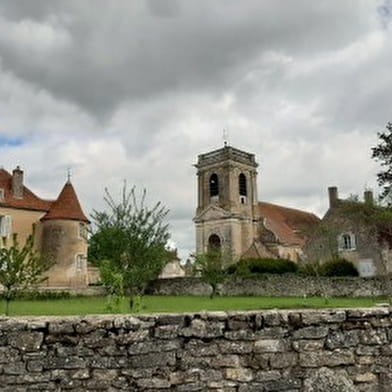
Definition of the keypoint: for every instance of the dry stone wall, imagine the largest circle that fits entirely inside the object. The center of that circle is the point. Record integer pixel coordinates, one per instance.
(286, 285)
(321, 350)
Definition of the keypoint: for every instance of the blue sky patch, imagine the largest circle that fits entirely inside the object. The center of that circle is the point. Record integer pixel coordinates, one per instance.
(10, 141)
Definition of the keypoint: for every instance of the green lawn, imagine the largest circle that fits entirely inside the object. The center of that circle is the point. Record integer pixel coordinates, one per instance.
(180, 304)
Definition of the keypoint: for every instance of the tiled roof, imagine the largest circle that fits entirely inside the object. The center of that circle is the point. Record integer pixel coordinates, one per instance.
(257, 251)
(29, 201)
(66, 206)
(290, 226)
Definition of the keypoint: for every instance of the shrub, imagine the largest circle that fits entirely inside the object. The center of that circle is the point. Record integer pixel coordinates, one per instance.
(262, 266)
(40, 295)
(338, 267)
(310, 269)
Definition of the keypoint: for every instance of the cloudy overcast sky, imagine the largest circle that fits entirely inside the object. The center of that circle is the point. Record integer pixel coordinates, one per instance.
(136, 90)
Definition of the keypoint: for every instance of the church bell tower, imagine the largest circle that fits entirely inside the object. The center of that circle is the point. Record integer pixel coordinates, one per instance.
(227, 215)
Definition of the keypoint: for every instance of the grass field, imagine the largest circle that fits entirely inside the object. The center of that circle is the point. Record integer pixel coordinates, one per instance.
(180, 304)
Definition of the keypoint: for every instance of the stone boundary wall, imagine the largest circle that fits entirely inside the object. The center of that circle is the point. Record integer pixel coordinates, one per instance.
(287, 285)
(311, 350)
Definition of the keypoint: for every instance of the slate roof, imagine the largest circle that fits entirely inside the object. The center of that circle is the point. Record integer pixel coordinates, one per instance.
(290, 226)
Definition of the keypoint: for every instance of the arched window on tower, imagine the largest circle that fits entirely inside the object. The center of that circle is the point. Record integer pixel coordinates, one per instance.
(214, 243)
(214, 185)
(242, 188)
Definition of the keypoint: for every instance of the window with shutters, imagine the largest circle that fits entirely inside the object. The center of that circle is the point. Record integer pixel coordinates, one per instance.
(80, 262)
(82, 232)
(5, 225)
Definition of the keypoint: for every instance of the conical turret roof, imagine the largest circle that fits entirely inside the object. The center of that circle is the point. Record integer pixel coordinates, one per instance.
(66, 206)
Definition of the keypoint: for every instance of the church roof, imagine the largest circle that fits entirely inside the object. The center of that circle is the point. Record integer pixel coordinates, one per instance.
(290, 226)
(66, 206)
(30, 201)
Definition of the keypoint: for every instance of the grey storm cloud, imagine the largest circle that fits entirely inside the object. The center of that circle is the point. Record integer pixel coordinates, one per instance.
(98, 54)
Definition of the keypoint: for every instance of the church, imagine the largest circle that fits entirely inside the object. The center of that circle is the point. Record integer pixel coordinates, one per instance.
(230, 218)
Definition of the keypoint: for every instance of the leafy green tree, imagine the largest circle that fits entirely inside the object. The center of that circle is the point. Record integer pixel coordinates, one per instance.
(210, 268)
(20, 267)
(382, 152)
(128, 243)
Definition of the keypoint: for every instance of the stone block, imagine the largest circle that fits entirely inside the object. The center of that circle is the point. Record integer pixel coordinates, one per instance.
(233, 347)
(269, 346)
(153, 383)
(367, 377)
(307, 345)
(323, 316)
(341, 339)
(373, 336)
(26, 341)
(326, 358)
(283, 360)
(312, 332)
(239, 374)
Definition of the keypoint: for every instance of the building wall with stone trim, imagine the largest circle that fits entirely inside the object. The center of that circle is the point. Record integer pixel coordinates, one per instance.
(315, 350)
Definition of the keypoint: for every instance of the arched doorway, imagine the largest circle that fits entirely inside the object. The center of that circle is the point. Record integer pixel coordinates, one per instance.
(214, 243)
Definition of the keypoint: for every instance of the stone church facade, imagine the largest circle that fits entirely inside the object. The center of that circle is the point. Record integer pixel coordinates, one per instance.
(229, 216)
(60, 227)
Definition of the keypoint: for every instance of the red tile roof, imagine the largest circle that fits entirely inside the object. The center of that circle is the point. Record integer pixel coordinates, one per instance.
(66, 206)
(290, 226)
(30, 201)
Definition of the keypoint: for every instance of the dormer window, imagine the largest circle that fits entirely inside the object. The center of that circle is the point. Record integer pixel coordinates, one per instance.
(214, 185)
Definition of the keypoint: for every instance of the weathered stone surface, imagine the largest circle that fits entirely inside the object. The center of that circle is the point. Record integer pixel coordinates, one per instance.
(308, 345)
(325, 379)
(274, 285)
(339, 339)
(326, 358)
(239, 374)
(366, 377)
(323, 316)
(269, 346)
(314, 332)
(283, 360)
(26, 341)
(228, 352)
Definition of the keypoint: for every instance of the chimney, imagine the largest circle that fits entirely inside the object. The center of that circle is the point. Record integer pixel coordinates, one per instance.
(17, 183)
(368, 197)
(333, 196)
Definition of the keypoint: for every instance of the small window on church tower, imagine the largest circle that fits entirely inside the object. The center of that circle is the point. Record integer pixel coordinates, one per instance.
(214, 186)
(242, 184)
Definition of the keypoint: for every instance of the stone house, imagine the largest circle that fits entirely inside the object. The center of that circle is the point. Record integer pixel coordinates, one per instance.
(229, 216)
(60, 227)
(349, 231)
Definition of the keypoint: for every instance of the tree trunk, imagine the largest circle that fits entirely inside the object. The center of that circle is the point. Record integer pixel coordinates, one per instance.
(7, 305)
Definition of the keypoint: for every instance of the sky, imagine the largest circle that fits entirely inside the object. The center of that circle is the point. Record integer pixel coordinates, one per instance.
(135, 90)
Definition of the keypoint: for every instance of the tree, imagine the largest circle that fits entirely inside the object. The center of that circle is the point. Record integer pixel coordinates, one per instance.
(210, 267)
(128, 243)
(20, 267)
(382, 152)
